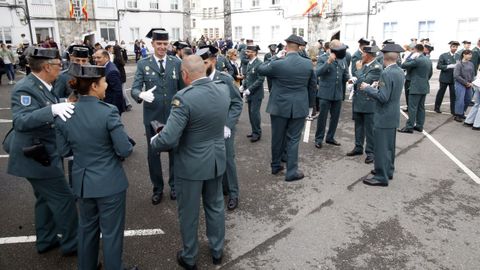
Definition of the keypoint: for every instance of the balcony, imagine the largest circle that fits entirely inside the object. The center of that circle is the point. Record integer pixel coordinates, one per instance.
(42, 10)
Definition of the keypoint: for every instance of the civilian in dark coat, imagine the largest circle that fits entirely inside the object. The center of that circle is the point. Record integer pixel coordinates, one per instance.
(113, 94)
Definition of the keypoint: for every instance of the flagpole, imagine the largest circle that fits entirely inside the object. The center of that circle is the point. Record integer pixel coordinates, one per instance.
(368, 18)
(27, 14)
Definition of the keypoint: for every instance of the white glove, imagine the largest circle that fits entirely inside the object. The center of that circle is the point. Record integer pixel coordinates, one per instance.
(63, 110)
(153, 138)
(451, 66)
(246, 92)
(415, 55)
(350, 90)
(281, 54)
(241, 88)
(226, 132)
(375, 84)
(148, 95)
(354, 80)
(310, 112)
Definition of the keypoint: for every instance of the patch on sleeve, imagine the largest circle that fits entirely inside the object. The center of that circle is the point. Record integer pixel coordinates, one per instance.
(175, 102)
(26, 100)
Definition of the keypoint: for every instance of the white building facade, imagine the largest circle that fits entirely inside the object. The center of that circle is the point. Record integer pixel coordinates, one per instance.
(207, 19)
(401, 20)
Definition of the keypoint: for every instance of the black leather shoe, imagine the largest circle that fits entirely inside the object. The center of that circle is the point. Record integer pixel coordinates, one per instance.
(299, 175)
(217, 261)
(374, 182)
(417, 129)
(173, 195)
(70, 253)
(277, 170)
(157, 198)
(132, 141)
(438, 111)
(232, 203)
(467, 124)
(458, 118)
(405, 130)
(405, 110)
(318, 145)
(183, 264)
(375, 172)
(249, 135)
(354, 153)
(369, 160)
(334, 142)
(476, 128)
(255, 138)
(55, 245)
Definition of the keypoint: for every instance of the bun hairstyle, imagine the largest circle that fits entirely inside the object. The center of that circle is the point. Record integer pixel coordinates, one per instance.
(81, 86)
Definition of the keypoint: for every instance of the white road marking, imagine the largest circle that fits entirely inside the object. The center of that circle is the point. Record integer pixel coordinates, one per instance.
(306, 132)
(4, 109)
(5, 121)
(33, 238)
(438, 113)
(449, 155)
(4, 156)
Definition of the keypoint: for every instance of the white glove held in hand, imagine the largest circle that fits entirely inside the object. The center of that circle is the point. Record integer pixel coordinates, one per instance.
(246, 92)
(226, 132)
(148, 95)
(281, 54)
(354, 80)
(310, 112)
(153, 138)
(451, 66)
(63, 110)
(241, 88)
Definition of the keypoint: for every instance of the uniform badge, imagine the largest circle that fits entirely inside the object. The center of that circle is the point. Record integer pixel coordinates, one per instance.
(176, 103)
(147, 68)
(26, 100)
(147, 73)
(253, 70)
(153, 73)
(174, 76)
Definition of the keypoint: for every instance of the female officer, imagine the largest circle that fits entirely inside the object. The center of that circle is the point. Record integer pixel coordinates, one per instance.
(96, 138)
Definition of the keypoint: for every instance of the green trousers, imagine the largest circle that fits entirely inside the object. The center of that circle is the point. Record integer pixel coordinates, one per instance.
(385, 139)
(416, 111)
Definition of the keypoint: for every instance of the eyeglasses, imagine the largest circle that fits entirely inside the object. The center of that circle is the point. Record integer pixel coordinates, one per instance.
(55, 64)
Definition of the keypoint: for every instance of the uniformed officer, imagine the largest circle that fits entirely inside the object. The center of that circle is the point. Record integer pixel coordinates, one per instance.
(446, 64)
(291, 100)
(160, 74)
(357, 55)
(179, 46)
(420, 69)
(79, 54)
(367, 70)
(223, 64)
(230, 179)
(195, 129)
(333, 73)
(387, 115)
(96, 137)
(242, 49)
(33, 152)
(272, 48)
(252, 88)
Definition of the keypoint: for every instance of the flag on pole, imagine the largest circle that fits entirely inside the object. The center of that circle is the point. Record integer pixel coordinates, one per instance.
(311, 5)
(70, 8)
(84, 10)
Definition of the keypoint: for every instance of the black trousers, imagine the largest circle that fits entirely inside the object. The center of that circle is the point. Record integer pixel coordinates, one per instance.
(407, 90)
(441, 94)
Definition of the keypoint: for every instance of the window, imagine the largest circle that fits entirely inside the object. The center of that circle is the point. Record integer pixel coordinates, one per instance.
(255, 3)
(426, 29)
(301, 32)
(132, 4)
(193, 4)
(294, 31)
(237, 4)
(389, 30)
(194, 23)
(204, 13)
(6, 35)
(217, 33)
(175, 33)
(107, 31)
(210, 32)
(134, 33)
(41, 2)
(105, 3)
(467, 28)
(210, 11)
(205, 32)
(174, 5)
(256, 32)
(215, 12)
(153, 4)
(238, 32)
(275, 2)
(275, 33)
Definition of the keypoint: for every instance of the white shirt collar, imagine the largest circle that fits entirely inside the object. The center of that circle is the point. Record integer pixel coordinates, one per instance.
(198, 79)
(390, 65)
(47, 85)
(251, 61)
(212, 75)
(158, 59)
(370, 62)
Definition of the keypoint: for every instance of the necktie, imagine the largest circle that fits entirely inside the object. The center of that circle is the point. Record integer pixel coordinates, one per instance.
(162, 69)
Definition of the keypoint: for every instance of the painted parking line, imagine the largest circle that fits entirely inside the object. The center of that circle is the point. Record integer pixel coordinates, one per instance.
(462, 166)
(5, 121)
(33, 238)
(4, 109)
(306, 133)
(4, 156)
(429, 111)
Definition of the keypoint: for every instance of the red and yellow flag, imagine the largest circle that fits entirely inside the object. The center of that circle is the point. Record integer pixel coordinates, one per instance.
(311, 5)
(70, 8)
(84, 10)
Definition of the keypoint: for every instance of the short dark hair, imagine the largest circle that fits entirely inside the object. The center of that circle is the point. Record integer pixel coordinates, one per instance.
(36, 63)
(464, 52)
(419, 47)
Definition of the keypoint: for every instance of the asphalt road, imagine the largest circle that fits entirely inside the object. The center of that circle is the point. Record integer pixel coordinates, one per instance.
(428, 218)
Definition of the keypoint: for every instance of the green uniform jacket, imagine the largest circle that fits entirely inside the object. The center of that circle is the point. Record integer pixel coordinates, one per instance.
(446, 74)
(475, 59)
(61, 87)
(195, 130)
(387, 112)
(96, 138)
(148, 75)
(293, 85)
(362, 103)
(421, 71)
(355, 57)
(224, 65)
(332, 78)
(254, 81)
(33, 120)
(267, 57)
(236, 103)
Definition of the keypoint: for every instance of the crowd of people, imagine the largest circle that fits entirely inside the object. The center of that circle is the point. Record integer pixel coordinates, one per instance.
(75, 114)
